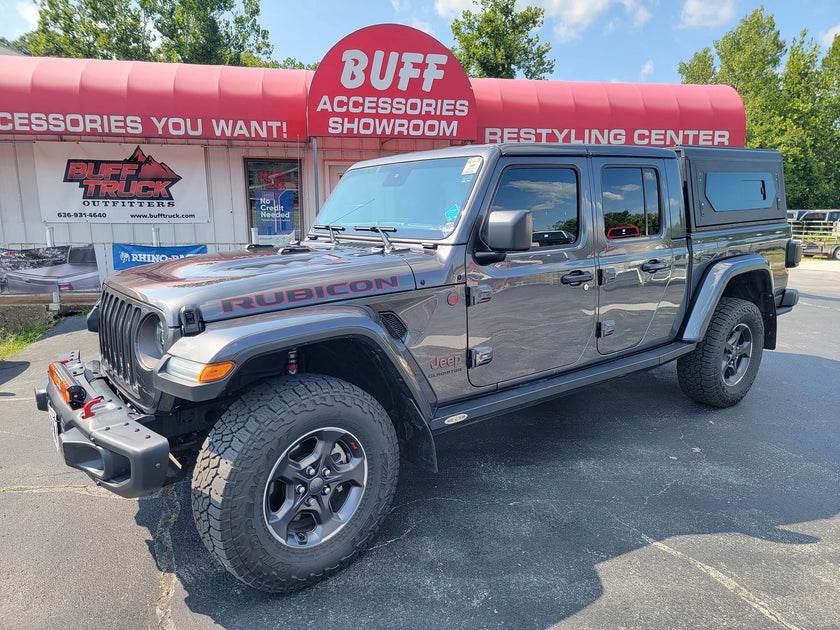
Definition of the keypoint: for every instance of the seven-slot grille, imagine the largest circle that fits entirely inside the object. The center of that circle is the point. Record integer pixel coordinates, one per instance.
(119, 320)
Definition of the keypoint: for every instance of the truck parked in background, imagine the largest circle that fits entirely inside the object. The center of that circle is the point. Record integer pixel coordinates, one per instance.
(819, 231)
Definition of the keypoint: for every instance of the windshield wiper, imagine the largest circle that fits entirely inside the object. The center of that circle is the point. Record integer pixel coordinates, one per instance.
(388, 247)
(332, 229)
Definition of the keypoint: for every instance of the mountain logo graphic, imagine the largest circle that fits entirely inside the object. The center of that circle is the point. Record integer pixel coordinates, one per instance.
(140, 177)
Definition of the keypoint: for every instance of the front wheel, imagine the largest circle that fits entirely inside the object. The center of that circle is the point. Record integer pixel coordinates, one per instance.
(721, 370)
(294, 480)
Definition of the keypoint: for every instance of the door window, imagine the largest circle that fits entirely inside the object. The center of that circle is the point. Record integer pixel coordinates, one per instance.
(550, 194)
(631, 202)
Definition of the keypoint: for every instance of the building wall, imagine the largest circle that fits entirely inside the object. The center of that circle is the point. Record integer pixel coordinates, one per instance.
(22, 225)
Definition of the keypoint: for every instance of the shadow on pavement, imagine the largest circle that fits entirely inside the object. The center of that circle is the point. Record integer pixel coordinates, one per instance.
(67, 325)
(10, 370)
(512, 530)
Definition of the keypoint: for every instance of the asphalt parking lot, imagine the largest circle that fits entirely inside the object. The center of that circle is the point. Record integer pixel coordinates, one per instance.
(623, 506)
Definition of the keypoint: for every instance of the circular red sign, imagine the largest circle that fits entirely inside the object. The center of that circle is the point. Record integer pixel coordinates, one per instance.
(391, 81)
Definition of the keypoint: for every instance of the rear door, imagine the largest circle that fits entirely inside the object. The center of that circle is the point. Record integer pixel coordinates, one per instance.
(634, 251)
(534, 312)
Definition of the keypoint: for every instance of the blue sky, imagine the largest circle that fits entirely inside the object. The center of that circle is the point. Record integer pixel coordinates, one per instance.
(591, 40)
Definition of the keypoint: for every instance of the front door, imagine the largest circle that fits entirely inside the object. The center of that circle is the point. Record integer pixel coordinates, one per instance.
(534, 312)
(635, 255)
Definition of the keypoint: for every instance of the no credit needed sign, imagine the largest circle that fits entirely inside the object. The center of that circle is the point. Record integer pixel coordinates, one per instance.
(391, 81)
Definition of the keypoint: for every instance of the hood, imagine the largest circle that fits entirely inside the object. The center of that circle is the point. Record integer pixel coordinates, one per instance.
(234, 284)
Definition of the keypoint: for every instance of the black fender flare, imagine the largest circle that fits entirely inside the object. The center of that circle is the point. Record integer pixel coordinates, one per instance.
(712, 286)
(245, 338)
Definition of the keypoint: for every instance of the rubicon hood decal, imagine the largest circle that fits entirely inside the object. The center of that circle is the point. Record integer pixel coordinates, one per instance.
(233, 284)
(306, 294)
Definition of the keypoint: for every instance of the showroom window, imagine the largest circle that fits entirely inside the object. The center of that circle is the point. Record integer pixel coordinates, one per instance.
(274, 200)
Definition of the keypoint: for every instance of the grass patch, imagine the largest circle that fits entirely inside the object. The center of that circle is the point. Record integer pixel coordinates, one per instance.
(12, 342)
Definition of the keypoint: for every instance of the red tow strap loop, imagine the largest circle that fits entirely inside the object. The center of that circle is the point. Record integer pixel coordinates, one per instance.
(87, 410)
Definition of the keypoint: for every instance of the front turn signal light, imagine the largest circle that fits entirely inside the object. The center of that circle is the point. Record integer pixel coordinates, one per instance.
(197, 372)
(215, 371)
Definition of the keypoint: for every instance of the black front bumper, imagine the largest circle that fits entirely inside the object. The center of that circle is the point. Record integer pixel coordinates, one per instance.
(112, 444)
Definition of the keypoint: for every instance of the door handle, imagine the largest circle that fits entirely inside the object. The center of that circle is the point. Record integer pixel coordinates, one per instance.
(654, 265)
(576, 278)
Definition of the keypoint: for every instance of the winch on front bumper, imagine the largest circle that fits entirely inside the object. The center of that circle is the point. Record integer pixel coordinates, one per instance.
(96, 433)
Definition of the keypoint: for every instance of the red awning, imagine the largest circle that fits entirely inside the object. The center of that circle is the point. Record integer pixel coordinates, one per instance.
(600, 113)
(129, 99)
(86, 97)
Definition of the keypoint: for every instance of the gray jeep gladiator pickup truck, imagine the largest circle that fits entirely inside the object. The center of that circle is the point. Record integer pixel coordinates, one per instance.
(436, 289)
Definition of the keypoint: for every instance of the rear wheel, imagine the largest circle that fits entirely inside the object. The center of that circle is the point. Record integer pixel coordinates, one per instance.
(836, 254)
(294, 480)
(721, 370)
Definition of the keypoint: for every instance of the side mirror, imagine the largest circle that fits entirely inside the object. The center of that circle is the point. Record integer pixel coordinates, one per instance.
(93, 319)
(509, 230)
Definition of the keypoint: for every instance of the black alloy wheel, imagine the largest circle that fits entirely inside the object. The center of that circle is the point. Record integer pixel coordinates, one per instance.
(316, 486)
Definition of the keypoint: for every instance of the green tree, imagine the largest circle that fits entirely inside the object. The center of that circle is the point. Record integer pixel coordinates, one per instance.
(797, 127)
(700, 69)
(830, 68)
(18, 44)
(792, 107)
(294, 64)
(496, 41)
(209, 31)
(748, 57)
(186, 31)
(91, 29)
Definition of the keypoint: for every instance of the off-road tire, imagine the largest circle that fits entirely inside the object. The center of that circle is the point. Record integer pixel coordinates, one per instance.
(229, 484)
(703, 374)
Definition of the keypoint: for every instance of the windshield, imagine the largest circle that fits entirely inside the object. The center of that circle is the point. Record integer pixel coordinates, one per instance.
(423, 199)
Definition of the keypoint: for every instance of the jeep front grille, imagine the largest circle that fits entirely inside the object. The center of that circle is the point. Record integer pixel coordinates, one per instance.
(118, 322)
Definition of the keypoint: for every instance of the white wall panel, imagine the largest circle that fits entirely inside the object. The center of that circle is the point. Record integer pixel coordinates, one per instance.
(22, 225)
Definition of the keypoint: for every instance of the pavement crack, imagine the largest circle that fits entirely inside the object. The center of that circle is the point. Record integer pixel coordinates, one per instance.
(750, 598)
(22, 435)
(425, 500)
(667, 487)
(385, 543)
(91, 491)
(165, 557)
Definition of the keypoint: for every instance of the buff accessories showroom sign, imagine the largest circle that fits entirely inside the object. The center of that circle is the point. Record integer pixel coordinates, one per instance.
(391, 81)
(121, 183)
(127, 256)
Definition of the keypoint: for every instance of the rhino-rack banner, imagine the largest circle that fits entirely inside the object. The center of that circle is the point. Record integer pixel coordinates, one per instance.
(127, 256)
(121, 183)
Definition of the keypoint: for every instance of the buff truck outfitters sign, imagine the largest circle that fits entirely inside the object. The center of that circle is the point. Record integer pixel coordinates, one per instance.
(121, 183)
(391, 81)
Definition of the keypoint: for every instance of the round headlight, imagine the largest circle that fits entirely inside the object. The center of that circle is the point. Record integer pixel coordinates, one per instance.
(150, 341)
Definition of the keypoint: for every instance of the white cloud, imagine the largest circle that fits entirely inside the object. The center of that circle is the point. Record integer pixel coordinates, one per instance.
(640, 16)
(646, 70)
(705, 13)
(28, 12)
(454, 8)
(568, 17)
(572, 17)
(827, 38)
(420, 25)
